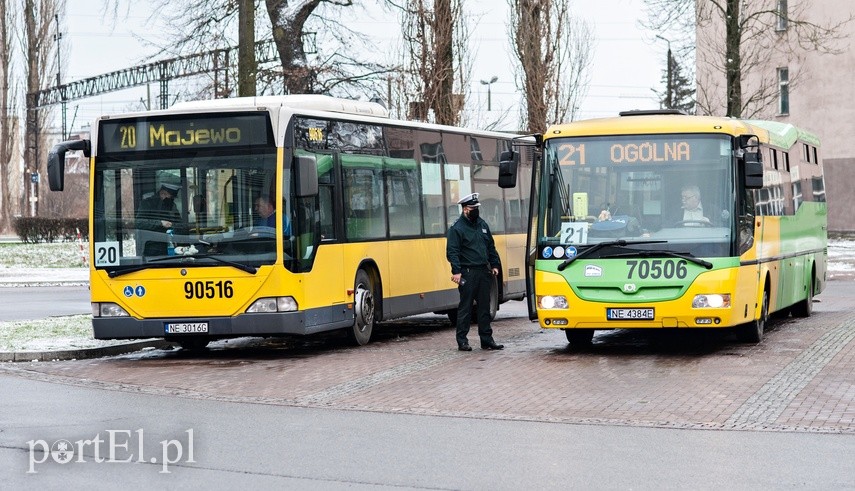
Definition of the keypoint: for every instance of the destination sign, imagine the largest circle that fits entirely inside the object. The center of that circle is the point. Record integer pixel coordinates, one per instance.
(640, 150)
(186, 132)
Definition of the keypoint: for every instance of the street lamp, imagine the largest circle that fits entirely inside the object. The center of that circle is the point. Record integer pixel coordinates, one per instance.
(669, 81)
(488, 84)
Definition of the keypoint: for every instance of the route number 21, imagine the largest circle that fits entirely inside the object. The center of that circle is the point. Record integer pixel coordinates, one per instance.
(574, 233)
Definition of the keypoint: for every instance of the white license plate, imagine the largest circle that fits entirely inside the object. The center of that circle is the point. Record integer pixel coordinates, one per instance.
(644, 314)
(186, 327)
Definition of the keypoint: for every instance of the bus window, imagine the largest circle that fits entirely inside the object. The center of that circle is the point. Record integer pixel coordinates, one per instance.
(432, 204)
(364, 215)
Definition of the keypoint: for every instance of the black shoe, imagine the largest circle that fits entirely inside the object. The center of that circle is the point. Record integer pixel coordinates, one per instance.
(492, 346)
(464, 347)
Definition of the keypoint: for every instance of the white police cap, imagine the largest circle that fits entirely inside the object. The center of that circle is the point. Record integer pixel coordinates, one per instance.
(172, 188)
(470, 200)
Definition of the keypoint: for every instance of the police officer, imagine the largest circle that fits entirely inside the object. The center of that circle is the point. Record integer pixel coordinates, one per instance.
(474, 262)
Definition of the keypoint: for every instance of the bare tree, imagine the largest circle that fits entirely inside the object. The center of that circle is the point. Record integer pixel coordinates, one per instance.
(8, 117)
(208, 24)
(437, 64)
(38, 49)
(737, 38)
(554, 52)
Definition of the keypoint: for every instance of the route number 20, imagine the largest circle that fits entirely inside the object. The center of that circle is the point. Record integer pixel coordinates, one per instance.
(106, 253)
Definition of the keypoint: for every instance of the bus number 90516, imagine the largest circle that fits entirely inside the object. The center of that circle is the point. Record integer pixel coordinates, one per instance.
(657, 268)
(208, 289)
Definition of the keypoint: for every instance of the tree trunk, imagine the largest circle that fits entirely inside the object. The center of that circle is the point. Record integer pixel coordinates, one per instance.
(246, 48)
(6, 122)
(287, 34)
(733, 61)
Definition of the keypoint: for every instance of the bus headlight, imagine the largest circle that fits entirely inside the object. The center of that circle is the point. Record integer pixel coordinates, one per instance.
(108, 309)
(711, 301)
(273, 304)
(551, 302)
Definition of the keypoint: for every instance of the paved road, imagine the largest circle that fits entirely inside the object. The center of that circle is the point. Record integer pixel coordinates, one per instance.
(20, 303)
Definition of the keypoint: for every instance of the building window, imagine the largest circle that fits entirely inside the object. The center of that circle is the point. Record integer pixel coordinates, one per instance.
(783, 91)
(781, 12)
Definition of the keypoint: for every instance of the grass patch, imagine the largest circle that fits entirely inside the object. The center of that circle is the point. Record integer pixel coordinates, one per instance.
(43, 255)
(67, 332)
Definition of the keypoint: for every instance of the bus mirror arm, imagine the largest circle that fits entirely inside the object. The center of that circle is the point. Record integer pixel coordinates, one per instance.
(56, 161)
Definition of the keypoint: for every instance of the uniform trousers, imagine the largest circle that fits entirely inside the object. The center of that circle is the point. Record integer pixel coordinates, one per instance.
(476, 286)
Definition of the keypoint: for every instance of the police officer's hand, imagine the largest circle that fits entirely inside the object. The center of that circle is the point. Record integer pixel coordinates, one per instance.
(166, 223)
(495, 271)
(456, 278)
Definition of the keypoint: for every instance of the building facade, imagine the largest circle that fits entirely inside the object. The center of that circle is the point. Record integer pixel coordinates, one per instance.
(787, 79)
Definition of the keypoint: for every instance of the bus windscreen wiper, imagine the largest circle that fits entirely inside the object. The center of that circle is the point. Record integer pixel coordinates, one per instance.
(242, 267)
(164, 262)
(679, 255)
(611, 243)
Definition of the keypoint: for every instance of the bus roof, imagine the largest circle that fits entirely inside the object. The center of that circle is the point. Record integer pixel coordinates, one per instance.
(649, 122)
(316, 102)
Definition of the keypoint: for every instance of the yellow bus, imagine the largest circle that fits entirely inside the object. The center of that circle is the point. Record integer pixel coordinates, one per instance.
(362, 205)
(656, 219)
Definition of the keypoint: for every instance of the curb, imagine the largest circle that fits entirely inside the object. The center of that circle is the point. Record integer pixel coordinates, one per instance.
(82, 353)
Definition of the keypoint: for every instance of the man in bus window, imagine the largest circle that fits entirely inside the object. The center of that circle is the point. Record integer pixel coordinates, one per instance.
(158, 212)
(474, 263)
(693, 210)
(266, 210)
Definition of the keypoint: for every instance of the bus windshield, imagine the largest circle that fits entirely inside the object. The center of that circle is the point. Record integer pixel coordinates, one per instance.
(674, 190)
(196, 210)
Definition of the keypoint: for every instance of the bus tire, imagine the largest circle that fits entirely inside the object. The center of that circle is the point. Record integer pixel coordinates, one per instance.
(494, 298)
(805, 307)
(363, 309)
(579, 338)
(752, 332)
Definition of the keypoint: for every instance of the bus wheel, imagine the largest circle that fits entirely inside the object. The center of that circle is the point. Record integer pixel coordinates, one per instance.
(363, 307)
(579, 338)
(494, 298)
(193, 344)
(752, 332)
(494, 304)
(805, 307)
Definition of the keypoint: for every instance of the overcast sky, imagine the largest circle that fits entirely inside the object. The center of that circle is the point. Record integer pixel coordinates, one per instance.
(627, 61)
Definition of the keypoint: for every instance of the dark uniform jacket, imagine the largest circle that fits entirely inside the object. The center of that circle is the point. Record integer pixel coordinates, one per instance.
(152, 210)
(470, 245)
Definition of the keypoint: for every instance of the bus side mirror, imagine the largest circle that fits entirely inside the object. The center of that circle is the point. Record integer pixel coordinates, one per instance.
(753, 168)
(56, 161)
(306, 176)
(508, 162)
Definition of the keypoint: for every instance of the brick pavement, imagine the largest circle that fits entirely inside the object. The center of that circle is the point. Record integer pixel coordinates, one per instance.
(801, 378)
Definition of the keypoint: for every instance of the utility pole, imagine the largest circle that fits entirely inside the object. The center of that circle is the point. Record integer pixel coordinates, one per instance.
(669, 102)
(246, 48)
(57, 37)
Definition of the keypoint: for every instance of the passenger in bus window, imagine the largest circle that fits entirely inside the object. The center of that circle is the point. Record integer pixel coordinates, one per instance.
(693, 210)
(474, 265)
(159, 212)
